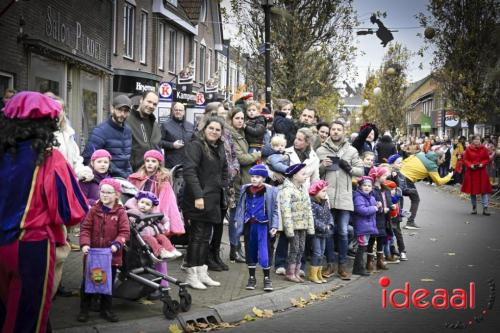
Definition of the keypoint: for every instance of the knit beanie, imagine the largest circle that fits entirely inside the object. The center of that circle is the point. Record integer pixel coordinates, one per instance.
(100, 153)
(154, 154)
(259, 170)
(113, 183)
(148, 195)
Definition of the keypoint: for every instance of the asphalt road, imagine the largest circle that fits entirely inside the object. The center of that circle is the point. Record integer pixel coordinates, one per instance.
(452, 249)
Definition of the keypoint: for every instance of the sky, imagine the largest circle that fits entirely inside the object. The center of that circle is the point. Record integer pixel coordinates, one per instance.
(400, 16)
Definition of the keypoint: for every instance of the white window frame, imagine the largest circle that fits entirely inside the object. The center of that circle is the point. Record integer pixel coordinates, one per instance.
(182, 43)
(172, 50)
(203, 10)
(114, 25)
(209, 62)
(161, 46)
(144, 37)
(172, 2)
(203, 63)
(195, 59)
(128, 30)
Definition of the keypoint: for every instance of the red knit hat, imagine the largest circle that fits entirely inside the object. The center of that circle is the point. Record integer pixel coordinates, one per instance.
(377, 172)
(317, 186)
(154, 154)
(100, 153)
(113, 183)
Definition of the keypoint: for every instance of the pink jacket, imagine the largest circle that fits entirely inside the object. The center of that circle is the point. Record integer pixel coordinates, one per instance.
(160, 227)
(168, 202)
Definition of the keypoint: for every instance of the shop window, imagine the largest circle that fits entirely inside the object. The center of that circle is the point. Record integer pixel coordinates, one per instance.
(172, 50)
(44, 85)
(182, 42)
(114, 26)
(128, 30)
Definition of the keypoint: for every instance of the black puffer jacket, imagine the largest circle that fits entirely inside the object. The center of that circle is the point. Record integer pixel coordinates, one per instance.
(205, 177)
(255, 130)
(286, 126)
(385, 148)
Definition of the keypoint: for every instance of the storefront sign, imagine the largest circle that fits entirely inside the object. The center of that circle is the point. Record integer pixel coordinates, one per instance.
(451, 119)
(133, 85)
(72, 36)
(165, 92)
(200, 100)
(425, 123)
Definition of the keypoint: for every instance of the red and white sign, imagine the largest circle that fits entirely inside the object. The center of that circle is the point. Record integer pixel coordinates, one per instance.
(200, 99)
(165, 91)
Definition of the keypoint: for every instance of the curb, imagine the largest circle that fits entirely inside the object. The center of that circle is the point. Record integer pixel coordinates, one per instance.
(230, 312)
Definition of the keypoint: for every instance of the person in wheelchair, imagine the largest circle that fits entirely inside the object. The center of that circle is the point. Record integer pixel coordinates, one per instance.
(152, 231)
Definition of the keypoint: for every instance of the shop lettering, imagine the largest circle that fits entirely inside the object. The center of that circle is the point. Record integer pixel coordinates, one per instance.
(143, 87)
(440, 299)
(75, 38)
(187, 97)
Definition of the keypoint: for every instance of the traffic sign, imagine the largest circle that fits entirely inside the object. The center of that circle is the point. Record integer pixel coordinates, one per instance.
(165, 92)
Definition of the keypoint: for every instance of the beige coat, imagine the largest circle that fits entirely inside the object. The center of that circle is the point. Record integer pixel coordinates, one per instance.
(340, 183)
(246, 160)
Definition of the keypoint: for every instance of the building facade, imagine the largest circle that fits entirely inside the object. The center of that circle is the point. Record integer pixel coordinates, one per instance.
(62, 47)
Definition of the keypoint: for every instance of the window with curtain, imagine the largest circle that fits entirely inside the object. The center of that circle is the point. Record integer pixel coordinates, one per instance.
(172, 50)
(128, 30)
(161, 45)
(144, 36)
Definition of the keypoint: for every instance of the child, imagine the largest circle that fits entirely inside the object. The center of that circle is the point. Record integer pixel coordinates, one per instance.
(257, 211)
(368, 159)
(153, 177)
(106, 225)
(395, 219)
(383, 198)
(146, 203)
(323, 228)
(365, 225)
(255, 127)
(283, 122)
(99, 162)
(278, 161)
(297, 219)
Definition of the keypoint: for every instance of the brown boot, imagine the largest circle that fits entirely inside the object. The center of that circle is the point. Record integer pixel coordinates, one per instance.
(342, 272)
(328, 271)
(290, 273)
(370, 263)
(380, 261)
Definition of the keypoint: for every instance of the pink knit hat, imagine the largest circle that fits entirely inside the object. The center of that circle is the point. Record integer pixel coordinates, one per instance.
(31, 105)
(154, 154)
(317, 186)
(376, 172)
(111, 182)
(99, 153)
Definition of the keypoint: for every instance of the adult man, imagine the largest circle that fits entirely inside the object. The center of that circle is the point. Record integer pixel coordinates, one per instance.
(175, 132)
(339, 163)
(146, 133)
(115, 136)
(306, 118)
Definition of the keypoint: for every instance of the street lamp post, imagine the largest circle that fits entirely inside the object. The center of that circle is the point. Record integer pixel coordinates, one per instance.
(267, 4)
(228, 44)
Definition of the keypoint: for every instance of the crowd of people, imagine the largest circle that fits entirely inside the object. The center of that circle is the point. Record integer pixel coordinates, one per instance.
(295, 190)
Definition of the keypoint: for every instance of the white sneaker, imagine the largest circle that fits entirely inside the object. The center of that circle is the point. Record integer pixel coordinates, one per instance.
(202, 272)
(302, 273)
(193, 280)
(403, 256)
(280, 271)
(177, 253)
(164, 254)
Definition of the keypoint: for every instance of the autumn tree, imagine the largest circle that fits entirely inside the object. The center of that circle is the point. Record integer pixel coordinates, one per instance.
(464, 35)
(311, 45)
(368, 112)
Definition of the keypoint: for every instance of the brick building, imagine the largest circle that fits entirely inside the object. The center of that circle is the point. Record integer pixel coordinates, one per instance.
(62, 47)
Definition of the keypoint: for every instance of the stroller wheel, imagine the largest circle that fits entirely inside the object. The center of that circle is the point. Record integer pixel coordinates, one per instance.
(170, 308)
(185, 300)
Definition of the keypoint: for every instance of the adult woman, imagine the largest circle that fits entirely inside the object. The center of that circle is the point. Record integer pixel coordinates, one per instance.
(300, 152)
(365, 141)
(39, 195)
(236, 119)
(476, 181)
(214, 261)
(205, 176)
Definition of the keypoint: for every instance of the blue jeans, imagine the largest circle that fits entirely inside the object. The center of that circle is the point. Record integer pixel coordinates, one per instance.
(282, 252)
(330, 249)
(318, 248)
(484, 199)
(341, 218)
(234, 238)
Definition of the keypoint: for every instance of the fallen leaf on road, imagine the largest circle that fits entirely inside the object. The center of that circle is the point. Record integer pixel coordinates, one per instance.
(451, 253)
(144, 301)
(433, 239)
(248, 318)
(258, 312)
(268, 313)
(202, 325)
(226, 325)
(427, 280)
(298, 303)
(174, 329)
(313, 296)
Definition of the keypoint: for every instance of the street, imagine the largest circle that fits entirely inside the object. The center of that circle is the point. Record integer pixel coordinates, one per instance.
(452, 249)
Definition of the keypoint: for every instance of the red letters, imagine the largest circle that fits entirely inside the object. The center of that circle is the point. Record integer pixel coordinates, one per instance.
(416, 298)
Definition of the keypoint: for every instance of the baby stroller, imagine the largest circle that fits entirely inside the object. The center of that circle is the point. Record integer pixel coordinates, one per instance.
(137, 278)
